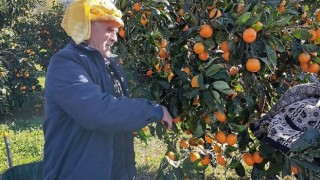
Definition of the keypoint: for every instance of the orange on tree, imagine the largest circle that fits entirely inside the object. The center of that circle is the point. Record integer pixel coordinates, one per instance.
(214, 14)
(318, 33)
(224, 46)
(184, 144)
(257, 158)
(187, 70)
(304, 67)
(170, 76)
(226, 56)
(186, 27)
(304, 57)
(122, 32)
(188, 132)
(249, 35)
(220, 116)
(157, 66)
(195, 101)
(208, 139)
(163, 43)
(257, 26)
(206, 31)
(207, 120)
(313, 34)
(233, 95)
(294, 170)
(248, 159)
(143, 20)
(221, 160)
(137, 6)
(176, 120)
(192, 142)
(181, 12)
(314, 68)
(221, 137)
(23, 88)
(281, 8)
(149, 73)
(253, 65)
(194, 155)
(205, 160)
(198, 48)
(233, 70)
(201, 141)
(171, 155)
(163, 53)
(217, 148)
(195, 81)
(204, 56)
(232, 139)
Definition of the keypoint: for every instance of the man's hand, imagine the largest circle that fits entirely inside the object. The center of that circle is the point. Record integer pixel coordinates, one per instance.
(167, 119)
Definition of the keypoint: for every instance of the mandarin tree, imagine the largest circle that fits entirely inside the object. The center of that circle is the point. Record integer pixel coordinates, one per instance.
(260, 41)
(28, 39)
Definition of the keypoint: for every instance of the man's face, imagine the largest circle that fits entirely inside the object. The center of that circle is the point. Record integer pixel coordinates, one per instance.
(103, 36)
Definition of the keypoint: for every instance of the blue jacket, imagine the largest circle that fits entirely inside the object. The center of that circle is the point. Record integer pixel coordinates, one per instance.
(88, 131)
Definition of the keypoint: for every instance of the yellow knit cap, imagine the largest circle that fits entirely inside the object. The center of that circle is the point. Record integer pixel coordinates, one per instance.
(76, 20)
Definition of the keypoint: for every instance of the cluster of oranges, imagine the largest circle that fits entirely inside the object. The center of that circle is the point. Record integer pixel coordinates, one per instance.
(306, 64)
(250, 159)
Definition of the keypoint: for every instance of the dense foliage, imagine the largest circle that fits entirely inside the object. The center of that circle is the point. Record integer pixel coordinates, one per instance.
(218, 66)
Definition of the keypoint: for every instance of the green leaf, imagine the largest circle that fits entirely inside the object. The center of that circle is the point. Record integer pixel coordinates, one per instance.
(164, 84)
(254, 19)
(282, 21)
(272, 56)
(208, 98)
(265, 150)
(301, 34)
(243, 18)
(191, 94)
(250, 103)
(272, 3)
(223, 87)
(213, 69)
(267, 62)
(240, 170)
(280, 47)
(216, 96)
(310, 48)
(257, 173)
(199, 131)
(286, 170)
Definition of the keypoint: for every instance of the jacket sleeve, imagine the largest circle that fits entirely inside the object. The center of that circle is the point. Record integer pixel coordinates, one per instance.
(70, 86)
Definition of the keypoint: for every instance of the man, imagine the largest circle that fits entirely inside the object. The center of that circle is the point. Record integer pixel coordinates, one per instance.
(89, 116)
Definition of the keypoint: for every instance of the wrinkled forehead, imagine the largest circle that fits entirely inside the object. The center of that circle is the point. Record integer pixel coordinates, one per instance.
(110, 25)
